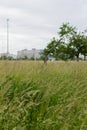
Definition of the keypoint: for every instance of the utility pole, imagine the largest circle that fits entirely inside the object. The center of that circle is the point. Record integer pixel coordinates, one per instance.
(7, 36)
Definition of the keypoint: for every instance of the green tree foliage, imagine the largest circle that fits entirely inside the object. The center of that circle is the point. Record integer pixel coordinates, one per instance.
(79, 43)
(66, 31)
(69, 45)
(84, 47)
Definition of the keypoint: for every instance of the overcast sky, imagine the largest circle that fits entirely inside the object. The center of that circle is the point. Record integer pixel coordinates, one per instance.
(32, 23)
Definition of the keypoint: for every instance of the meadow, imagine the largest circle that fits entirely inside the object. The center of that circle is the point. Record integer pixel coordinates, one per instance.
(34, 96)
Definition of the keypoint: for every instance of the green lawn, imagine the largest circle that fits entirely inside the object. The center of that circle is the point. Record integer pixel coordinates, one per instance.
(34, 96)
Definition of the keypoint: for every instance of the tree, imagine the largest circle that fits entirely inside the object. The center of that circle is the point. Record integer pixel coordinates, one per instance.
(69, 45)
(84, 47)
(79, 44)
(50, 50)
(66, 31)
(58, 47)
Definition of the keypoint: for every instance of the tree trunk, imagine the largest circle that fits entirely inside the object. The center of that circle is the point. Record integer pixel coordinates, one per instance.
(77, 57)
(45, 59)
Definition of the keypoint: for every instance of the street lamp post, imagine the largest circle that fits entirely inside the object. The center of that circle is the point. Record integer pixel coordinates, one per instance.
(7, 36)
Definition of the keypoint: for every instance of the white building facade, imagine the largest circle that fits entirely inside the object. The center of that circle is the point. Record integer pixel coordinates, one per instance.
(34, 53)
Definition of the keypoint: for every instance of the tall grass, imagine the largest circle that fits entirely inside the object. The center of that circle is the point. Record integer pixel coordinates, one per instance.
(34, 96)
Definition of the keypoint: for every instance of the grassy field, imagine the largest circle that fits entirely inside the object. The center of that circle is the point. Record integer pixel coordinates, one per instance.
(34, 96)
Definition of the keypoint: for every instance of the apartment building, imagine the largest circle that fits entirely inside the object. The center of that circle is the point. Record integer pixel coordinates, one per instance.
(34, 53)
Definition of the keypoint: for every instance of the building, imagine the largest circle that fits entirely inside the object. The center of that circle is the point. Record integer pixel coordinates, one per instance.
(34, 53)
